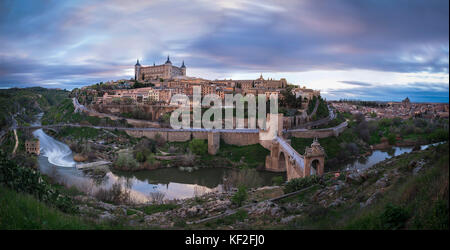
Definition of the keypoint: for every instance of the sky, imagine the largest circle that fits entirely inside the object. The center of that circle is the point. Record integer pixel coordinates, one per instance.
(355, 49)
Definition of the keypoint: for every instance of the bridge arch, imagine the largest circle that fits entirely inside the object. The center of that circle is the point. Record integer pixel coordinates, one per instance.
(314, 166)
(283, 158)
(282, 161)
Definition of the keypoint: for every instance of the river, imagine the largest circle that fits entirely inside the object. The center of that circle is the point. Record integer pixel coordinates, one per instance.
(380, 155)
(56, 160)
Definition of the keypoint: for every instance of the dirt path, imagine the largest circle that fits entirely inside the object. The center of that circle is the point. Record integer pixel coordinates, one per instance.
(17, 142)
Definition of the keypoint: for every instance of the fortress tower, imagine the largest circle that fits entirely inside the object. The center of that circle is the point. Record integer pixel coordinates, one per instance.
(164, 71)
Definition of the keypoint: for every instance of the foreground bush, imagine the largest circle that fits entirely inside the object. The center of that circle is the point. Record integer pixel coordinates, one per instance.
(126, 162)
(300, 183)
(30, 181)
(198, 147)
(240, 196)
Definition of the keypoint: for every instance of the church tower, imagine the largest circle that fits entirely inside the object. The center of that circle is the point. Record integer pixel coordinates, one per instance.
(137, 71)
(183, 69)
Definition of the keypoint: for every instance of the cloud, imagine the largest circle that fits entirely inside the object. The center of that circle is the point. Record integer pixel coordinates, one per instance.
(356, 83)
(75, 42)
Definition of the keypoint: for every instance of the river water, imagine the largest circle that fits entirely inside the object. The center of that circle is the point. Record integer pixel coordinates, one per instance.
(56, 160)
(380, 155)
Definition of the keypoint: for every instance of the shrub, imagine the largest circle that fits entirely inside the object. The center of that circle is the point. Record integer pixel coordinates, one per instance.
(439, 135)
(300, 183)
(393, 217)
(29, 181)
(116, 194)
(159, 140)
(240, 196)
(277, 180)
(198, 147)
(156, 208)
(391, 139)
(140, 157)
(157, 197)
(125, 161)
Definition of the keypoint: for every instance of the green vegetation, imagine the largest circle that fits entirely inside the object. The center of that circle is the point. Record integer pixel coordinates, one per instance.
(413, 199)
(417, 129)
(125, 161)
(156, 208)
(23, 211)
(240, 196)
(277, 180)
(240, 215)
(79, 133)
(198, 146)
(138, 113)
(337, 149)
(251, 155)
(322, 109)
(30, 181)
(340, 118)
(65, 113)
(25, 103)
(301, 183)
(419, 202)
(360, 134)
(289, 100)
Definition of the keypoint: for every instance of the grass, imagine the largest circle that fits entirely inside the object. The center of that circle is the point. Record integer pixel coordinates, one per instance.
(79, 133)
(418, 202)
(330, 144)
(410, 202)
(157, 208)
(23, 211)
(253, 155)
(240, 215)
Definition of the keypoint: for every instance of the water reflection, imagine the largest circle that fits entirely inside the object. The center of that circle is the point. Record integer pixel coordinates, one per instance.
(381, 155)
(56, 160)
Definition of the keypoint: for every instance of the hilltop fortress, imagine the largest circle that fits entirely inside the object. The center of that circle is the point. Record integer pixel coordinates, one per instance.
(164, 71)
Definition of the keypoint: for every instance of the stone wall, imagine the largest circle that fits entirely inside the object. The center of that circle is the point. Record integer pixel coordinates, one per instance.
(200, 135)
(178, 136)
(156, 111)
(232, 138)
(319, 133)
(240, 139)
(134, 122)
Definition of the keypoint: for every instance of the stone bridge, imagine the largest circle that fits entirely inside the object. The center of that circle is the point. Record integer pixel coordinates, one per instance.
(282, 158)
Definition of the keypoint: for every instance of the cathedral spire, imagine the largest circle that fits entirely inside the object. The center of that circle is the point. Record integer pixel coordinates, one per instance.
(182, 65)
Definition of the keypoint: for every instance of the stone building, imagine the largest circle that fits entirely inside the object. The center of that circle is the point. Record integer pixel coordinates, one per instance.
(314, 158)
(164, 71)
(259, 83)
(305, 93)
(33, 146)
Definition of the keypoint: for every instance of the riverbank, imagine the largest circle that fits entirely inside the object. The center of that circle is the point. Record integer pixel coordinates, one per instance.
(393, 194)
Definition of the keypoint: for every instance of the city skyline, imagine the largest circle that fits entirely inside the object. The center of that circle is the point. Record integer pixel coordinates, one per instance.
(368, 50)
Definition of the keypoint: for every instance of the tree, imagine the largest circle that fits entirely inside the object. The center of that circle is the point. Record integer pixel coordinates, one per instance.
(391, 139)
(240, 196)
